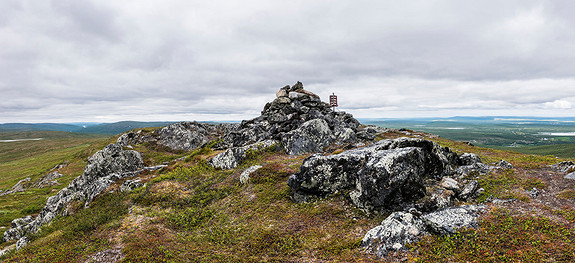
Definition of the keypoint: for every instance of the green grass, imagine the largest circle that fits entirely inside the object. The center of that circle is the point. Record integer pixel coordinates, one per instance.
(559, 150)
(502, 237)
(190, 211)
(33, 159)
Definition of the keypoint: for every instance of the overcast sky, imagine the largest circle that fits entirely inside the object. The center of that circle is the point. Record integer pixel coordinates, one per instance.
(171, 60)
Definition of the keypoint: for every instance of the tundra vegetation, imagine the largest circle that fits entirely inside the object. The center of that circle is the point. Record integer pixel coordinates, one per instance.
(189, 211)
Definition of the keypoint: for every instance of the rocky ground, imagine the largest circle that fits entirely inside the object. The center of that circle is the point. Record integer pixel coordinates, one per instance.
(301, 183)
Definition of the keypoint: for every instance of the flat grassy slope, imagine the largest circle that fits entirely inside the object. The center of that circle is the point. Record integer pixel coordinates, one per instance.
(190, 212)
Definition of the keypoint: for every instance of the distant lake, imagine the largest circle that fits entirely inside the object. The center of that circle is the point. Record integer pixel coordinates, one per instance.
(557, 133)
(19, 140)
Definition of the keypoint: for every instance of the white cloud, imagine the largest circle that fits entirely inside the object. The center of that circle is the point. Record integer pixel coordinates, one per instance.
(77, 61)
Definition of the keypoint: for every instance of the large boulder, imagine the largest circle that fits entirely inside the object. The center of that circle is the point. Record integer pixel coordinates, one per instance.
(312, 136)
(232, 157)
(181, 136)
(449, 220)
(379, 176)
(401, 228)
(394, 232)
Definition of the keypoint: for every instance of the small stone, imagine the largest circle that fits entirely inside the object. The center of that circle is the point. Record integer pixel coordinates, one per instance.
(570, 176)
(281, 93)
(296, 95)
(505, 164)
(450, 184)
(245, 176)
(469, 190)
(22, 242)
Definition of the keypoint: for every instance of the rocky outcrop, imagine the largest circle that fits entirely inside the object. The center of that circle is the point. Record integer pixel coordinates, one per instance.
(448, 220)
(181, 136)
(564, 167)
(104, 167)
(394, 232)
(301, 121)
(401, 228)
(379, 176)
(20, 186)
(312, 136)
(231, 158)
(49, 179)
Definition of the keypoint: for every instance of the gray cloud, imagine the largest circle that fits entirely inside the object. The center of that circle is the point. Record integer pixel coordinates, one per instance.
(115, 60)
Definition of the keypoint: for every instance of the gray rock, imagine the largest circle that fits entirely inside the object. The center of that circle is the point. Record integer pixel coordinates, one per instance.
(108, 256)
(182, 136)
(245, 176)
(20, 186)
(233, 156)
(156, 167)
(47, 180)
(504, 164)
(104, 167)
(22, 242)
(312, 136)
(534, 193)
(439, 198)
(130, 185)
(381, 175)
(393, 233)
(449, 220)
(479, 168)
(469, 159)
(469, 190)
(18, 228)
(570, 176)
(564, 167)
(450, 184)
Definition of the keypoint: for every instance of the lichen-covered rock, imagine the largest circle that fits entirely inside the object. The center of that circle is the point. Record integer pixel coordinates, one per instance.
(20, 186)
(401, 228)
(564, 167)
(49, 179)
(381, 175)
(130, 185)
(18, 228)
(469, 159)
(394, 232)
(104, 167)
(479, 168)
(504, 164)
(245, 176)
(450, 184)
(312, 136)
(449, 220)
(233, 156)
(22, 242)
(181, 136)
(469, 190)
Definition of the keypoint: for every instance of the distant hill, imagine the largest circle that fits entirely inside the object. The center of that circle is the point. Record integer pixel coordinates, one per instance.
(119, 127)
(13, 127)
(101, 128)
